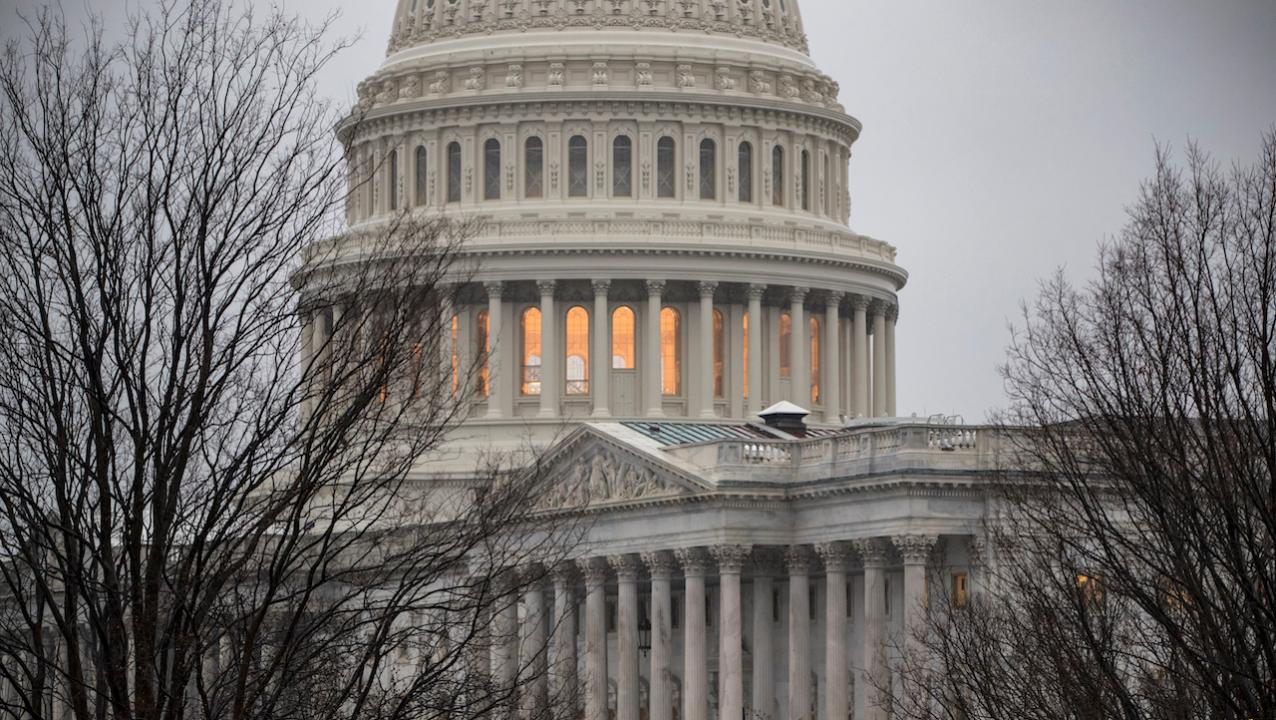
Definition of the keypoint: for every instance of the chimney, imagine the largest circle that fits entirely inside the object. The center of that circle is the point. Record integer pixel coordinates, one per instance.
(786, 417)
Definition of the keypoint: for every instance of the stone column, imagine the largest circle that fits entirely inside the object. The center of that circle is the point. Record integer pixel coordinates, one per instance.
(505, 636)
(978, 561)
(879, 359)
(798, 561)
(595, 572)
(695, 679)
(447, 348)
(600, 367)
(837, 559)
(800, 365)
(661, 565)
(831, 372)
(549, 350)
(730, 560)
(534, 645)
(565, 685)
(495, 382)
(916, 550)
(706, 349)
(873, 553)
(626, 567)
(766, 564)
(859, 341)
(892, 315)
(756, 323)
(651, 371)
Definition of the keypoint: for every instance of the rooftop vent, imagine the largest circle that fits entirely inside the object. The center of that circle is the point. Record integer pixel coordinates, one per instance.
(786, 417)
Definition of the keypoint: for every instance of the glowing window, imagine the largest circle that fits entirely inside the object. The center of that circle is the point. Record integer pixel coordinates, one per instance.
(622, 338)
(786, 350)
(719, 355)
(708, 170)
(531, 329)
(492, 169)
(454, 172)
(745, 171)
(777, 176)
(481, 348)
(422, 172)
(622, 167)
(960, 591)
(816, 396)
(534, 168)
(392, 179)
(577, 351)
(1090, 588)
(745, 355)
(577, 167)
(670, 352)
(666, 174)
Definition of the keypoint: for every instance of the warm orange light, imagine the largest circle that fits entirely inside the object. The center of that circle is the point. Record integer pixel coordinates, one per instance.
(670, 352)
(622, 338)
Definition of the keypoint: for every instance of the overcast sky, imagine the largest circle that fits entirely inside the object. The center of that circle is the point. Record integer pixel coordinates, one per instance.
(1002, 140)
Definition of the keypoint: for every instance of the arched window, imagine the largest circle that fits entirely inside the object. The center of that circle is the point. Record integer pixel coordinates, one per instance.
(777, 176)
(422, 173)
(392, 179)
(578, 351)
(745, 355)
(454, 172)
(481, 349)
(622, 338)
(622, 167)
(577, 167)
(786, 349)
(531, 329)
(666, 173)
(708, 170)
(827, 185)
(745, 171)
(806, 180)
(369, 194)
(719, 355)
(492, 169)
(816, 339)
(534, 168)
(670, 352)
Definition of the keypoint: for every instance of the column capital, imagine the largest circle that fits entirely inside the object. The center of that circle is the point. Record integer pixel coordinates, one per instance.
(546, 287)
(872, 551)
(892, 312)
(754, 291)
(707, 288)
(859, 302)
(836, 555)
(655, 287)
(767, 561)
(594, 569)
(565, 573)
(601, 286)
(730, 558)
(798, 559)
(829, 298)
(694, 561)
(878, 307)
(660, 563)
(915, 549)
(798, 294)
(627, 566)
(495, 288)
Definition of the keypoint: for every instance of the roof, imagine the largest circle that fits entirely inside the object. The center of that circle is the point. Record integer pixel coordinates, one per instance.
(686, 433)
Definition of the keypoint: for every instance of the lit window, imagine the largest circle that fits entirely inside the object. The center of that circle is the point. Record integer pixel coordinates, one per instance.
(622, 338)
(670, 352)
(422, 176)
(746, 172)
(454, 172)
(492, 169)
(531, 351)
(481, 349)
(708, 170)
(577, 351)
(719, 355)
(577, 167)
(392, 179)
(666, 174)
(745, 355)
(777, 176)
(534, 168)
(960, 590)
(815, 360)
(1090, 588)
(622, 167)
(806, 180)
(786, 350)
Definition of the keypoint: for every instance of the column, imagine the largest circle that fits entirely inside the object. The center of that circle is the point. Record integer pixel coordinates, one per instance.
(549, 351)
(565, 686)
(600, 368)
(832, 357)
(837, 559)
(447, 345)
(706, 349)
(730, 559)
(661, 565)
(756, 323)
(766, 565)
(800, 366)
(879, 359)
(915, 549)
(859, 341)
(892, 315)
(797, 561)
(505, 639)
(978, 561)
(651, 368)
(695, 679)
(626, 567)
(495, 383)
(595, 572)
(534, 646)
(873, 553)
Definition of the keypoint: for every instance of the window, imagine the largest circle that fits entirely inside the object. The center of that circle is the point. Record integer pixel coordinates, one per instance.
(531, 328)
(422, 172)
(786, 349)
(454, 172)
(719, 355)
(745, 170)
(492, 169)
(622, 338)
(886, 590)
(392, 179)
(577, 351)
(670, 352)
(708, 170)
(806, 180)
(1090, 589)
(675, 613)
(828, 194)
(456, 360)
(622, 167)
(775, 605)
(666, 175)
(534, 168)
(815, 360)
(777, 176)
(959, 590)
(577, 167)
(481, 349)
(744, 356)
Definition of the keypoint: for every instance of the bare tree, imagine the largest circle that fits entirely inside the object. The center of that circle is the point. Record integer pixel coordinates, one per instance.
(1131, 569)
(212, 401)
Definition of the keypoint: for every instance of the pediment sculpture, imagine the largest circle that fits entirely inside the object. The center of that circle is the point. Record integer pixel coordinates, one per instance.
(604, 476)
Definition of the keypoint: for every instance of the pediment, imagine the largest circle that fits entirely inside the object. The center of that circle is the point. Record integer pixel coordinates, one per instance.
(590, 468)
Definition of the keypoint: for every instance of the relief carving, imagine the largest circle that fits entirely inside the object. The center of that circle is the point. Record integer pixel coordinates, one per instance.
(410, 88)
(642, 74)
(604, 477)
(476, 80)
(600, 73)
(724, 79)
(686, 77)
(789, 87)
(514, 76)
(442, 83)
(758, 83)
(556, 75)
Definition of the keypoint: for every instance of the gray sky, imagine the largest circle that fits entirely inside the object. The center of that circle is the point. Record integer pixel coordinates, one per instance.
(1002, 139)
